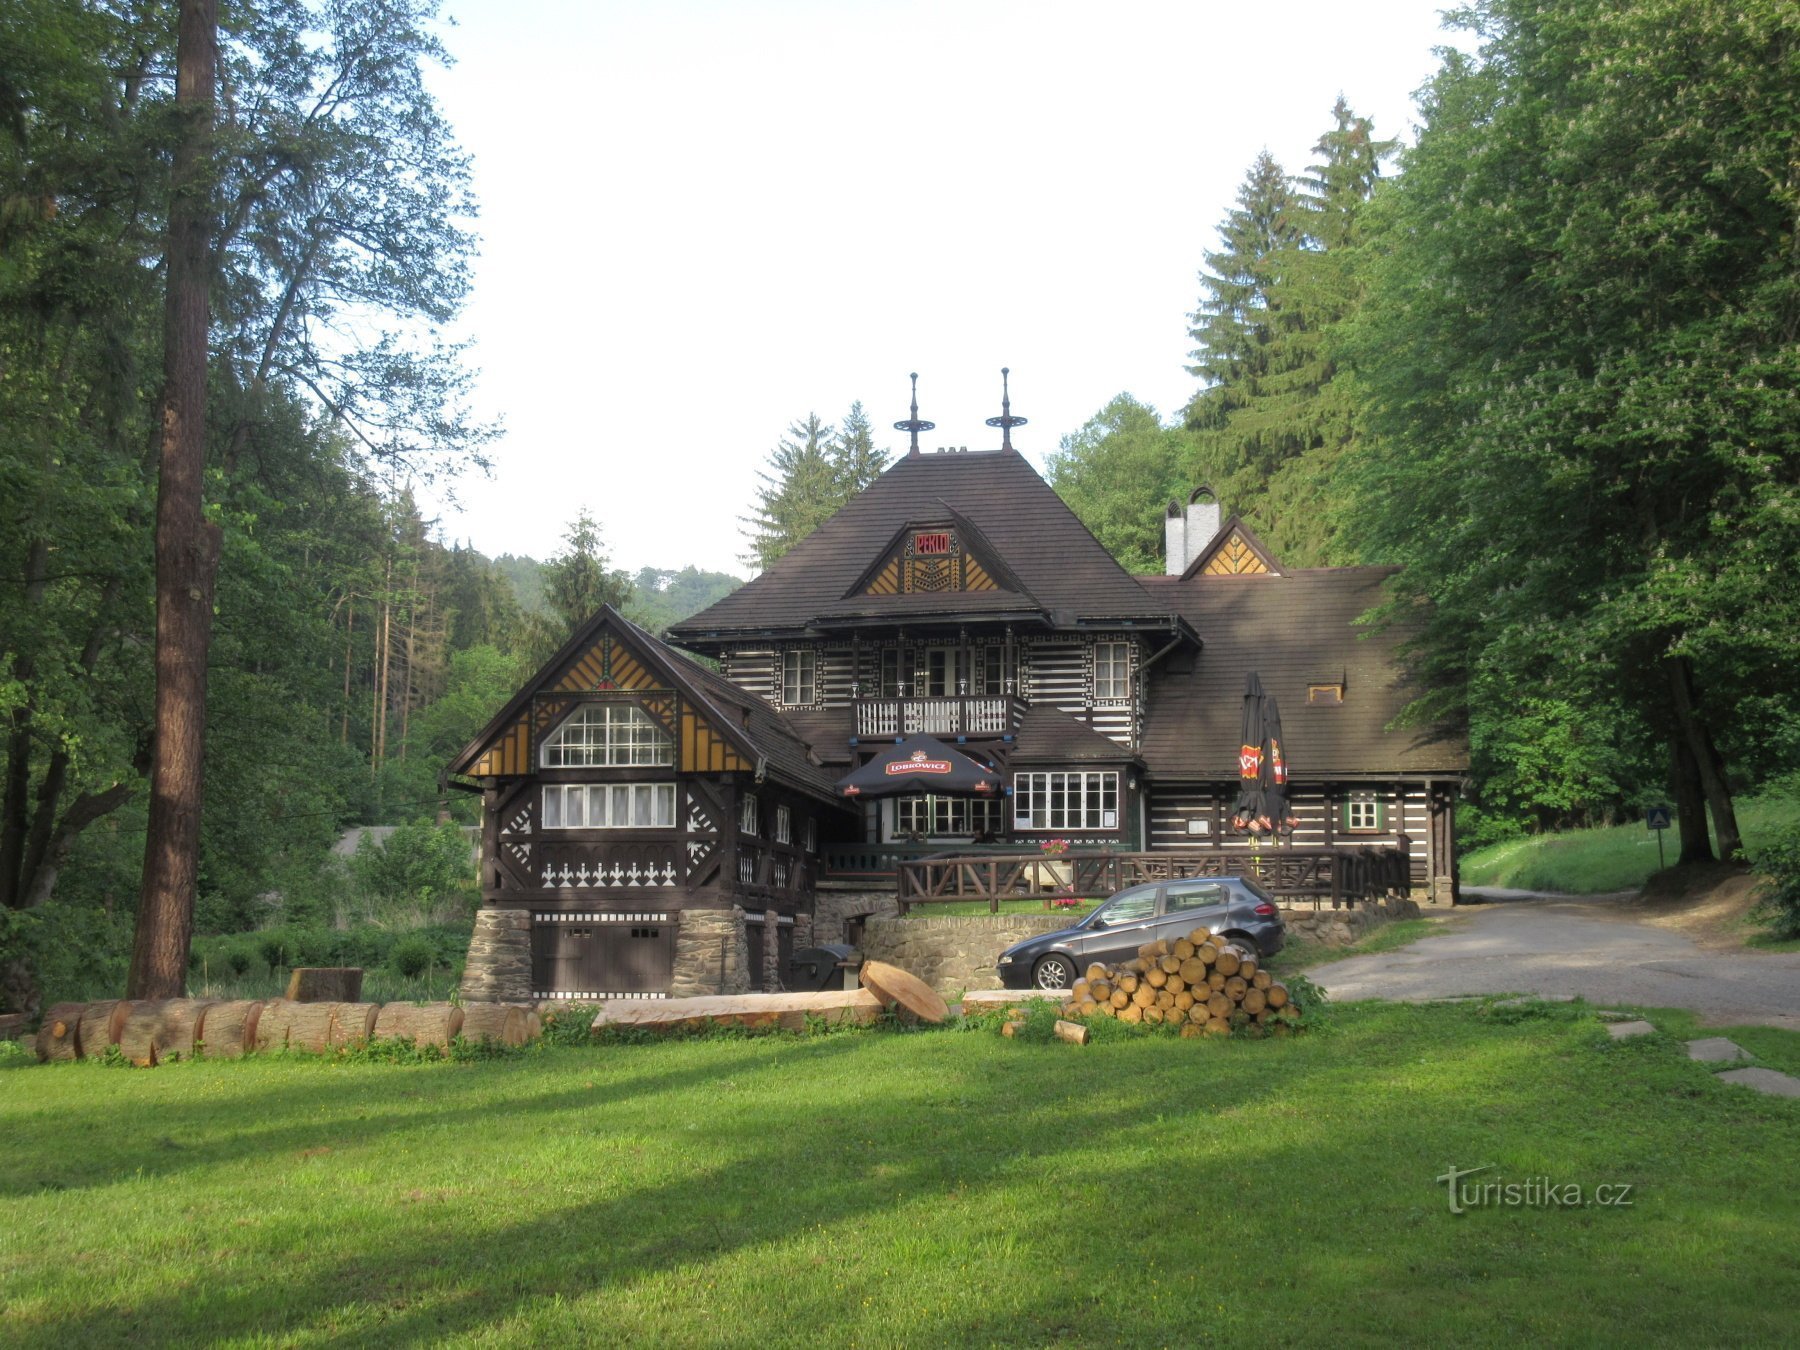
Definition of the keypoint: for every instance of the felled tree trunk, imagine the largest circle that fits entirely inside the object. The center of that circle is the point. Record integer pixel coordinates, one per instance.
(422, 1024)
(325, 984)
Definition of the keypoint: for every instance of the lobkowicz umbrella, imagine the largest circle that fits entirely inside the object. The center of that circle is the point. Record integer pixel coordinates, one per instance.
(1278, 811)
(919, 764)
(1251, 808)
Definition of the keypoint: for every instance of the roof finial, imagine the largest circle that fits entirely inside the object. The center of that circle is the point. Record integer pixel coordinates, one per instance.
(1005, 421)
(913, 424)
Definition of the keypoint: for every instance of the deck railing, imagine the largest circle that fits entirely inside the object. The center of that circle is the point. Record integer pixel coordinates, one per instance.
(953, 715)
(1341, 875)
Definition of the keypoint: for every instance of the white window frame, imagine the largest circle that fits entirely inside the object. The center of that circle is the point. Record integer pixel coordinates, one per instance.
(887, 673)
(608, 736)
(784, 825)
(1058, 800)
(1363, 813)
(748, 817)
(934, 817)
(799, 677)
(1112, 672)
(607, 806)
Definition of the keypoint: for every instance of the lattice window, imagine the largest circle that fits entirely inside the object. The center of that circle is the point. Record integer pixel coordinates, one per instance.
(1066, 801)
(609, 806)
(748, 818)
(1112, 671)
(799, 676)
(609, 735)
(1363, 813)
(784, 825)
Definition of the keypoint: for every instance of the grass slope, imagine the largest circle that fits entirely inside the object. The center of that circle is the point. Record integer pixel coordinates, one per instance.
(886, 1188)
(1591, 862)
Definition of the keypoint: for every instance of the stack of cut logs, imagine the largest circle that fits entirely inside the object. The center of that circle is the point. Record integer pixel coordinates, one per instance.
(1207, 985)
(150, 1031)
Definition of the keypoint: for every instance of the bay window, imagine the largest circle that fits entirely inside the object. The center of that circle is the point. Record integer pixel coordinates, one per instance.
(1066, 801)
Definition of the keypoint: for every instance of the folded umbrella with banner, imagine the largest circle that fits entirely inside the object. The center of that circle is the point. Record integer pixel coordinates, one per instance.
(1250, 808)
(919, 764)
(1278, 811)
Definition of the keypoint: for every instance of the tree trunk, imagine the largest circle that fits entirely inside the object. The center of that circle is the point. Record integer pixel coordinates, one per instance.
(187, 547)
(1690, 802)
(1706, 756)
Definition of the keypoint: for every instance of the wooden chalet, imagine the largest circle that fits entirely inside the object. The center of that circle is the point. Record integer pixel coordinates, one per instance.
(628, 793)
(633, 796)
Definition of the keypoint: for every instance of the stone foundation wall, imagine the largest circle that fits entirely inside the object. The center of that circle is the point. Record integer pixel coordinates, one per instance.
(499, 966)
(1344, 927)
(711, 953)
(832, 908)
(953, 955)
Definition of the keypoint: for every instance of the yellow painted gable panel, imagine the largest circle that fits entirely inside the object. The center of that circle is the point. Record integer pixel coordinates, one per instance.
(1235, 558)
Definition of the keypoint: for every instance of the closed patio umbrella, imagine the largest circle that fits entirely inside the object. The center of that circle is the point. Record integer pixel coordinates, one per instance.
(919, 764)
(1250, 815)
(1278, 811)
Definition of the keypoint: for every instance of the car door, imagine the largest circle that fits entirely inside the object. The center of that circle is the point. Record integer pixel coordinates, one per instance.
(1118, 928)
(1198, 902)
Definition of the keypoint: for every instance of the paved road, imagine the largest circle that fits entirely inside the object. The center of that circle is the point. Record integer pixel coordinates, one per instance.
(1587, 946)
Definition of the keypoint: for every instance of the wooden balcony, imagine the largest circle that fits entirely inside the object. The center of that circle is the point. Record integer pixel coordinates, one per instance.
(951, 715)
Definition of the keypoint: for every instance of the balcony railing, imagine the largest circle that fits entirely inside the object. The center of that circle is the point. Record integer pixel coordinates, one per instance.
(951, 715)
(1340, 875)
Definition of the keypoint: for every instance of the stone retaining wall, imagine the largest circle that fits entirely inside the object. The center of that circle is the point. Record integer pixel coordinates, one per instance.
(1345, 927)
(953, 954)
(832, 910)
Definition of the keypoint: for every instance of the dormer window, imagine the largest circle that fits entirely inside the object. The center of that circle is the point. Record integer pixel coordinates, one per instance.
(1329, 695)
(609, 735)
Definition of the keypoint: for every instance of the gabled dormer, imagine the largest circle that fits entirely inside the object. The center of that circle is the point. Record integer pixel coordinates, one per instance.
(937, 555)
(1235, 551)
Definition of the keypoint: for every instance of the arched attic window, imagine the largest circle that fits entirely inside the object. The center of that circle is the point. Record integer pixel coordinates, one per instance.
(609, 735)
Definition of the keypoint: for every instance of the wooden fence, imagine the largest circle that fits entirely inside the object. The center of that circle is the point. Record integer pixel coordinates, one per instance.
(1341, 875)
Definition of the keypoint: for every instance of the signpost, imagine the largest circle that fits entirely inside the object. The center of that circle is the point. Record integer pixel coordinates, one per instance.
(1657, 818)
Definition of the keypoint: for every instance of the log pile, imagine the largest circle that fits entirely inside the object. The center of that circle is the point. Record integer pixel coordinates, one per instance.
(1205, 985)
(147, 1032)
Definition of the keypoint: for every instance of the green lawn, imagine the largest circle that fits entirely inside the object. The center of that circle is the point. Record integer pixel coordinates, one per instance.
(1041, 908)
(1299, 954)
(1590, 862)
(908, 1189)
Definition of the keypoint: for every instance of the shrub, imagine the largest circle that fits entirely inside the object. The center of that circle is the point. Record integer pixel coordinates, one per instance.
(276, 949)
(419, 863)
(412, 956)
(237, 958)
(1779, 860)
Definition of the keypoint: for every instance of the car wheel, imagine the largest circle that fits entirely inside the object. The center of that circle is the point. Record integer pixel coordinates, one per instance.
(1053, 972)
(1249, 944)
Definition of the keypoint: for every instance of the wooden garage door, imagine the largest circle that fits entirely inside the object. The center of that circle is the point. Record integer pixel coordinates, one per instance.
(602, 955)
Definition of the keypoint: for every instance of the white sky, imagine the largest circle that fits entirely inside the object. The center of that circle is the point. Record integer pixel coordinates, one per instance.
(703, 219)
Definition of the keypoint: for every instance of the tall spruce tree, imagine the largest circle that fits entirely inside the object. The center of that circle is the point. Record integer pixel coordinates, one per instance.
(1279, 411)
(807, 476)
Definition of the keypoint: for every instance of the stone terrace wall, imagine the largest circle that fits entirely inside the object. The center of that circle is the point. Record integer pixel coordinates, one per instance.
(1344, 927)
(832, 908)
(953, 955)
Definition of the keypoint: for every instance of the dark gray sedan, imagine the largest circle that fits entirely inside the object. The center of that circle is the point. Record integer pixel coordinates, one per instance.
(1234, 907)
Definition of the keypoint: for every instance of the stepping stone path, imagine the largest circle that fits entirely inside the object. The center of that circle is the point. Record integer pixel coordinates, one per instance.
(1620, 1031)
(1764, 1080)
(1716, 1050)
(1720, 1050)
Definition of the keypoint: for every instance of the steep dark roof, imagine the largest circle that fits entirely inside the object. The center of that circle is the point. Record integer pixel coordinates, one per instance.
(1061, 571)
(761, 733)
(1292, 630)
(1048, 735)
